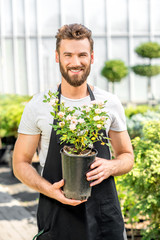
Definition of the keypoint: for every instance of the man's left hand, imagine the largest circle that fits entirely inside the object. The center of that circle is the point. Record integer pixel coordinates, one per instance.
(101, 169)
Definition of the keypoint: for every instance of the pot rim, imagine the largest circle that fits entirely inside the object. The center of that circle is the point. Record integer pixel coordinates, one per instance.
(80, 156)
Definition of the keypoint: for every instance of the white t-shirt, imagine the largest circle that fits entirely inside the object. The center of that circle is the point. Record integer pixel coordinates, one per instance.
(36, 118)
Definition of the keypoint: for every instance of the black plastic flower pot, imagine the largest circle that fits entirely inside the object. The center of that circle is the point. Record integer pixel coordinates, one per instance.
(74, 169)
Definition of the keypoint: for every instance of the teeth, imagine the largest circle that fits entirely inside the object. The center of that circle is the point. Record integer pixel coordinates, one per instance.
(75, 70)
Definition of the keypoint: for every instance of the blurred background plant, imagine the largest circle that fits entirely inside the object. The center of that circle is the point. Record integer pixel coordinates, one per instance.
(150, 50)
(139, 189)
(114, 71)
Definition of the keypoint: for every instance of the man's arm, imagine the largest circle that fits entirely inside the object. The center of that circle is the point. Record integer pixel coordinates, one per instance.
(122, 163)
(24, 150)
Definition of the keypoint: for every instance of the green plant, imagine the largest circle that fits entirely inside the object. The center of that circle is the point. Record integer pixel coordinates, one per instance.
(11, 109)
(143, 182)
(78, 126)
(132, 110)
(114, 71)
(148, 50)
(146, 70)
(136, 122)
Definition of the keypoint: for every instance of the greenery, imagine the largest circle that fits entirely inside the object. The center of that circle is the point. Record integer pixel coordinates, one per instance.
(78, 126)
(11, 109)
(148, 50)
(139, 189)
(136, 122)
(132, 110)
(114, 71)
(146, 70)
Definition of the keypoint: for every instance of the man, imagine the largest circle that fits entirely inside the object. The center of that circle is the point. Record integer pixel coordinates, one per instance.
(58, 217)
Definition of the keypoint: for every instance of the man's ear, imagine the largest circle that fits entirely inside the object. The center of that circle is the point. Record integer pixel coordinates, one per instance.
(56, 57)
(92, 57)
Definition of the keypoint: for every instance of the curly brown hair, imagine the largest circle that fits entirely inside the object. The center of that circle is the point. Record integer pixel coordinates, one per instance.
(73, 31)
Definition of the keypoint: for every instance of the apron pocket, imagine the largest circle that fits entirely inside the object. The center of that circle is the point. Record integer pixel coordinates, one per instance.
(111, 219)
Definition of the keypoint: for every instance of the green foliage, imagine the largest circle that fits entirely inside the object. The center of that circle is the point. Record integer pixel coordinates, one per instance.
(79, 126)
(146, 70)
(136, 122)
(131, 110)
(148, 50)
(114, 70)
(142, 184)
(11, 109)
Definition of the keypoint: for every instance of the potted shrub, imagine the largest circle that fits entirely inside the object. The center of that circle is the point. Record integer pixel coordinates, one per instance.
(148, 50)
(78, 128)
(114, 71)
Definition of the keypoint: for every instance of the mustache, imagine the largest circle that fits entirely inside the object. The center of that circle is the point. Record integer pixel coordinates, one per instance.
(76, 68)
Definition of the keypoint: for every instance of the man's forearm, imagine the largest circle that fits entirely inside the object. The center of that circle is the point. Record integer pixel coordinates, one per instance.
(29, 176)
(122, 164)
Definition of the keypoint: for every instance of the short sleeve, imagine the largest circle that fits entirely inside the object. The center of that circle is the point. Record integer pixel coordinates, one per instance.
(118, 117)
(28, 120)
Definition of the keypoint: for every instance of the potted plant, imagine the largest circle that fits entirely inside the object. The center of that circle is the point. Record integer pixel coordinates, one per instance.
(79, 128)
(114, 71)
(150, 50)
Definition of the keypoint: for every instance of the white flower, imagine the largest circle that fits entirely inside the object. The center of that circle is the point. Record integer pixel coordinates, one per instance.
(62, 101)
(61, 124)
(99, 125)
(96, 118)
(70, 109)
(52, 102)
(81, 120)
(56, 100)
(69, 117)
(74, 121)
(97, 111)
(100, 103)
(72, 127)
(94, 102)
(61, 114)
(87, 109)
(73, 117)
(103, 118)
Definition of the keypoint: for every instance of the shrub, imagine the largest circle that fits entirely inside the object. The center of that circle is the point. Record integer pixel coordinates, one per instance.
(130, 111)
(11, 108)
(143, 182)
(114, 70)
(148, 50)
(146, 70)
(136, 122)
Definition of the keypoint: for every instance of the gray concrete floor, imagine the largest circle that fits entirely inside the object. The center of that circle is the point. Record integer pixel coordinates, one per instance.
(18, 206)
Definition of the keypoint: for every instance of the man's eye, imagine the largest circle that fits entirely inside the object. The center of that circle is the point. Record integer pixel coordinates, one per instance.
(83, 55)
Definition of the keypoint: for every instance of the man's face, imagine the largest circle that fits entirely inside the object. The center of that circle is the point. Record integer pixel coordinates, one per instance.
(75, 59)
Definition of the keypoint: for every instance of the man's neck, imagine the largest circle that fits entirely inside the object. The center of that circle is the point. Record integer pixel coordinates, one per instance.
(74, 92)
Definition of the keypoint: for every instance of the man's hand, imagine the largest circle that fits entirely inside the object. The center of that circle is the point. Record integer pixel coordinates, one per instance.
(101, 169)
(57, 193)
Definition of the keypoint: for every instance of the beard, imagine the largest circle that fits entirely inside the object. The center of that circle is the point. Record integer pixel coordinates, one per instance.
(75, 80)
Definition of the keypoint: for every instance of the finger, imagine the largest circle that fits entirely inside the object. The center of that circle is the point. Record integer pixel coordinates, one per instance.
(96, 182)
(59, 184)
(96, 176)
(72, 202)
(94, 172)
(96, 163)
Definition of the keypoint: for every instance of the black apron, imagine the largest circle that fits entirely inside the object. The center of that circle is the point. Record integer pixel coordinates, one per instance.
(99, 218)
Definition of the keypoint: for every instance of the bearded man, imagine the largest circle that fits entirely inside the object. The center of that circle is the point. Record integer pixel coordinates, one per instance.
(99, 217)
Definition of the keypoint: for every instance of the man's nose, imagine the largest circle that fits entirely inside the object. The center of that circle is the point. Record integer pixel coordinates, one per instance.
(76, 61)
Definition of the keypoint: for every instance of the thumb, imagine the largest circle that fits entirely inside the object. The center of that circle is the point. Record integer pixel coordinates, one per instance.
(59, 184)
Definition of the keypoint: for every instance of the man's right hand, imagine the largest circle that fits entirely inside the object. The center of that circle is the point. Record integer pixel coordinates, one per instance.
(57, 193)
